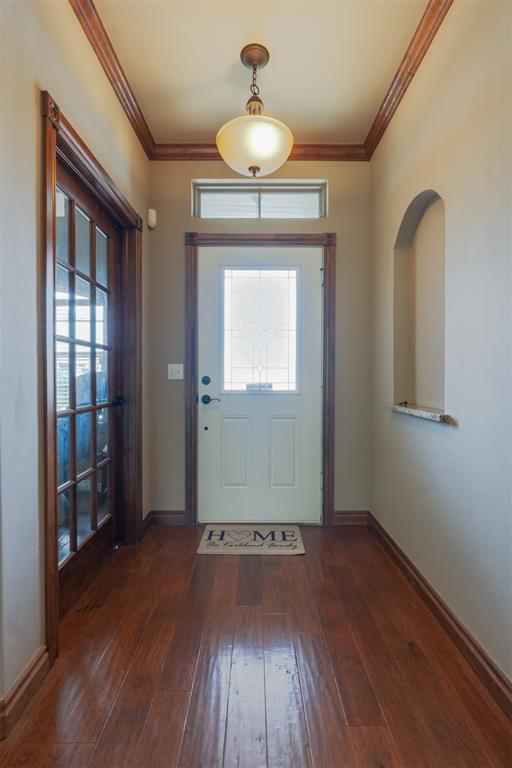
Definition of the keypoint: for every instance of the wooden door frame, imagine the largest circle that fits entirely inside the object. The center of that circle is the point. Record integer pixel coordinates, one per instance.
(62, 144)
(196, 240)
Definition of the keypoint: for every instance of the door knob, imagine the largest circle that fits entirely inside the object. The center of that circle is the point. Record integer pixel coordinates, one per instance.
(206, 399)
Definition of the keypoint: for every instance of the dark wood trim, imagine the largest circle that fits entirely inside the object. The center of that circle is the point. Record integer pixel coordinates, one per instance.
(191, 323)
(22, 690)
(340, 152)
(51, 116)
(195, 240)
(61, 142)
(357, 518)
(426, 30)
(329, 367)
(180, 151)
(494, 679)
(79, 160)
(202, 239)
(333, 152)
(97, 35)
(130, 496)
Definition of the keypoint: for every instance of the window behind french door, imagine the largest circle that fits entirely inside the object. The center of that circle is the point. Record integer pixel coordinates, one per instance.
(84, 371)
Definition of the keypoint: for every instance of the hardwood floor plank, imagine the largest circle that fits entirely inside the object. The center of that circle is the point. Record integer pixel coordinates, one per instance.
(287, 737)
(301, 608)
(274, 586)
(246, 729)
(41, 726)
(374, 748)
(408, 692)
(249, 580)
(316, 568)
(205, 729)
(328, 736)
(86, 719)
(69, 755)
(356, 691)
(127, 719)
(160, 742)
(180, 666)
(416, 626)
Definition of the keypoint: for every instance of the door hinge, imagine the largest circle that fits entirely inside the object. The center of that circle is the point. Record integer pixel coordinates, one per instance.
(321, 481)
(322, 275)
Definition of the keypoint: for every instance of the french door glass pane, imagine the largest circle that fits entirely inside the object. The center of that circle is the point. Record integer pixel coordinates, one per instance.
(260, 330)
(101, 376)
(101, 257)
(83, 310)
(64, 521)
(62, 221)
(63, 450)
(62, 301)
(102, 439)
(101, 317)
(83, 375)
(83, 242)
(84, 508)
(62, 361)
(102, 509)
(83, 442)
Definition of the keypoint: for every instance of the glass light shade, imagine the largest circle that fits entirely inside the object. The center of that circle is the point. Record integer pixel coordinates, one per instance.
(254, 140)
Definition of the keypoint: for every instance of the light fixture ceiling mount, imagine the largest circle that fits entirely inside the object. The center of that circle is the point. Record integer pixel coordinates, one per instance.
(254, 145)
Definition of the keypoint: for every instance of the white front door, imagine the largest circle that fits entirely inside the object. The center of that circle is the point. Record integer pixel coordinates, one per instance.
(260, 384)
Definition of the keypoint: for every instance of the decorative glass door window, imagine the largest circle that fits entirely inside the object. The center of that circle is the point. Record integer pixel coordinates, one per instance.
(260, 330)
(82, 359)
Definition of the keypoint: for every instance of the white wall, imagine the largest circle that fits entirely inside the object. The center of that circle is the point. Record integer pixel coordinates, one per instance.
(42, 46)
(444, 492)
(348, 217)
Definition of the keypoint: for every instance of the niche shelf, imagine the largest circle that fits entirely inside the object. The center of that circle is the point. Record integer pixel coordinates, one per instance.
(419, 412)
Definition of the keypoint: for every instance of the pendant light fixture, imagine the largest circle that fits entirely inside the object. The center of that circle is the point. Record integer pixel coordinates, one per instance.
(254, 145)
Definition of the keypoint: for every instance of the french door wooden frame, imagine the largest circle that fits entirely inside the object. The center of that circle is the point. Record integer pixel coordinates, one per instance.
(194, 241)
(62, 144)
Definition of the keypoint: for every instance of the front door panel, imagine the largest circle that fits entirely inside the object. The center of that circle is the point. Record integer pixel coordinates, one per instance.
(260, 384)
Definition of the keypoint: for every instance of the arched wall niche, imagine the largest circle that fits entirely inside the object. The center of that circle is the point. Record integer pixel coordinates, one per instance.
(419, 297)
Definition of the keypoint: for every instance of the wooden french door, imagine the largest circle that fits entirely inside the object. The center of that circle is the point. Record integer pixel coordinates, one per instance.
(86, 381)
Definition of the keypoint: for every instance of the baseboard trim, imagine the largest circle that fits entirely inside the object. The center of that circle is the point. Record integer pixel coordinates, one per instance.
(356, 518)
(494, 679)
(22, 690)
(166, 519)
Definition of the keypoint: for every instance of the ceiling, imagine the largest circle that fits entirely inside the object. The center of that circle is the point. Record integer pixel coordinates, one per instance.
(331, 61)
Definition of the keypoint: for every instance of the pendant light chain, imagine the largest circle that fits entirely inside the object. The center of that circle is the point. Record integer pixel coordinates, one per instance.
(254, 87)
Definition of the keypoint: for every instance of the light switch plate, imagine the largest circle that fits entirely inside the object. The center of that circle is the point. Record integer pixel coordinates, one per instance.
(175, 371)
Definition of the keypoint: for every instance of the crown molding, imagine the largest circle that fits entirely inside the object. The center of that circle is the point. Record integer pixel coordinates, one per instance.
(426, 30)
(299, 152)
(93, 27)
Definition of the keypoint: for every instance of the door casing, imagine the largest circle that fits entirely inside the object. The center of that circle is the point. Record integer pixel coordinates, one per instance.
(196, 240)
(62, 143)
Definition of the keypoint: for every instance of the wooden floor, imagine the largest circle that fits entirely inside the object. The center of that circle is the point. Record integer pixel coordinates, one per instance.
(327, 660)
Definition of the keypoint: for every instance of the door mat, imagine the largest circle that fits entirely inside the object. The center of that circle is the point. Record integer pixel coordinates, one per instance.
(251, 540)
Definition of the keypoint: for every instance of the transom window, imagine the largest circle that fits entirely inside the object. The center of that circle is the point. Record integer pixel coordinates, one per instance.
(260, 330)
(231, 199)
